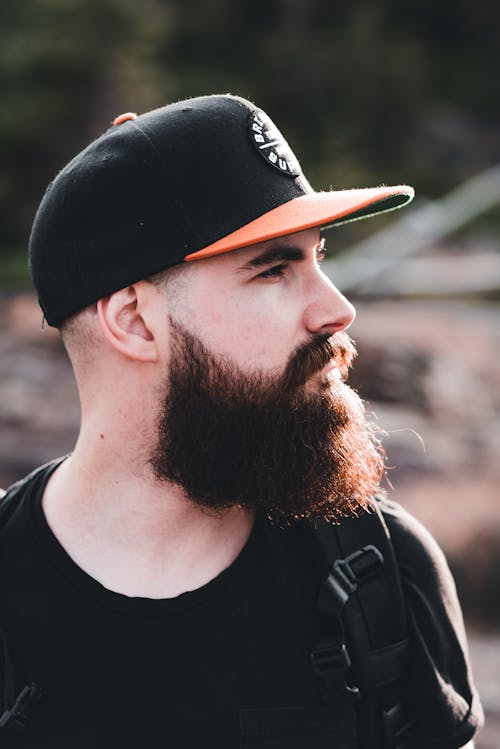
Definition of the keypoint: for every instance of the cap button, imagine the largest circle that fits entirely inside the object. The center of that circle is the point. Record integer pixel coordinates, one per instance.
(125, 117)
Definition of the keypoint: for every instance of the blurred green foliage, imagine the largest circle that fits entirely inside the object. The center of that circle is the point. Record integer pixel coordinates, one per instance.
(367, 93)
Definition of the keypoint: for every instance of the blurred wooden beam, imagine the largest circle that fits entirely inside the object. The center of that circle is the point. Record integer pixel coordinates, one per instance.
(364, 267)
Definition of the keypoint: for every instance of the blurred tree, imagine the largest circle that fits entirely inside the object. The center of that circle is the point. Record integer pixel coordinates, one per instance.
(67, 67)
(366, 93)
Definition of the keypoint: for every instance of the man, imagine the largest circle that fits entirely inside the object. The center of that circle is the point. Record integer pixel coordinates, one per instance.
(159, 584)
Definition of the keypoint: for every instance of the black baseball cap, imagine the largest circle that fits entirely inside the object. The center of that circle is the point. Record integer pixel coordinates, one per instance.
(187, 181)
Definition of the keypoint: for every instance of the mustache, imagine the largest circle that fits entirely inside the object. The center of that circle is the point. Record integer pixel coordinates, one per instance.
(312, 356)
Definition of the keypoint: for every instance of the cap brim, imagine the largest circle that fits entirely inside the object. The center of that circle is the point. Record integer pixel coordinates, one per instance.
(315, 209)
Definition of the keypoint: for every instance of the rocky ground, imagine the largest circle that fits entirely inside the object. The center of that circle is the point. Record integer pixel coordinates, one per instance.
(431, 372)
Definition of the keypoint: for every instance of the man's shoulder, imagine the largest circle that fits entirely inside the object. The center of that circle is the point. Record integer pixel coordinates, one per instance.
(442, 688)
(414, 545)
(11, 496)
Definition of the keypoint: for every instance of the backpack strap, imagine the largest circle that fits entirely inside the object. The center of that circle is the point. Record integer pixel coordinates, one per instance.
(330, 658)
(16, 707)
(9, 497)
(361, 649)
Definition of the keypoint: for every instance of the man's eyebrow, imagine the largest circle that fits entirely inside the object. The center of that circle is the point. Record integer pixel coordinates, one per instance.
(271, 255)
(274, 254)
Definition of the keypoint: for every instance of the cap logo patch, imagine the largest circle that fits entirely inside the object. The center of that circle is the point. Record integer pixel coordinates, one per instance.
(271, 144)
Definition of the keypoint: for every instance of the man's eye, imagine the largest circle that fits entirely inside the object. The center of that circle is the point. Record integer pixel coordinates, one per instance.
(275, 272)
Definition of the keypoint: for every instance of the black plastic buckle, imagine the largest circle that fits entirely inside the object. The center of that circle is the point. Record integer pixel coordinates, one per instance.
(365, 562)
(357, 567)
(361, 564)
(330, 658)
(17, 716)
(330, 664)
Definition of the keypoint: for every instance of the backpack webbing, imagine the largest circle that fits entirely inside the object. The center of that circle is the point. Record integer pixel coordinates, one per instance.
(361, 651)
(15, 705)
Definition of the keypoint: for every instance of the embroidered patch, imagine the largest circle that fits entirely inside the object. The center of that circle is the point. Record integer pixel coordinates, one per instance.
(271, 144)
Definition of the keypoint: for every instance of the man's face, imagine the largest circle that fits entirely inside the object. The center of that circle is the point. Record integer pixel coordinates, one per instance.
(256, 305)
(255, 411)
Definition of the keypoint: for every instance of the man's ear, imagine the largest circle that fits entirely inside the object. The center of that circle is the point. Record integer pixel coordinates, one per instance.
(127, 321)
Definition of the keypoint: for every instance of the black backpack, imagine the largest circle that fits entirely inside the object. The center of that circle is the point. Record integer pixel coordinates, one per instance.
(15, 708)
(361, 650)
(361, 654)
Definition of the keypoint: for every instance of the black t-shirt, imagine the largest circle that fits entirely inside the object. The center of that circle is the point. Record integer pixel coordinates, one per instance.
(226, 665)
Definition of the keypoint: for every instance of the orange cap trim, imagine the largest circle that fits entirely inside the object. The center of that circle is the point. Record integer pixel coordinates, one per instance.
(306, 212)
(125, 117)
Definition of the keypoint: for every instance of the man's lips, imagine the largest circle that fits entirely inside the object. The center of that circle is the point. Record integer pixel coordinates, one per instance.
(325, 359)
(328, 374)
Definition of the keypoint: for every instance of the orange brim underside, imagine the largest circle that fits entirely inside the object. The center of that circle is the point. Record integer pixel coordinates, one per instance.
(315, 209)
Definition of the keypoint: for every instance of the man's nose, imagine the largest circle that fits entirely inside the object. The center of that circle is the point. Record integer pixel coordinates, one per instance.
(328, 311)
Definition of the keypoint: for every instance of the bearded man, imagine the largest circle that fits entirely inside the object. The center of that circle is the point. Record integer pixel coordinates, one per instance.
(158, 585)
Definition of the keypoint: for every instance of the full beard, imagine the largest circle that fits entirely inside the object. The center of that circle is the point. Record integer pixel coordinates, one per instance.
(267, 442)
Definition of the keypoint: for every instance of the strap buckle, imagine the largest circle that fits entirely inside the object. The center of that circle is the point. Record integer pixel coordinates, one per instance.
(17, 715)
(330, 664)
(365, 562)
(357, 567)
(329, 658)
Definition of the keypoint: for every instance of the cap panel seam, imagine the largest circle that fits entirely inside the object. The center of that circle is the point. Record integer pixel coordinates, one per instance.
(175, 203)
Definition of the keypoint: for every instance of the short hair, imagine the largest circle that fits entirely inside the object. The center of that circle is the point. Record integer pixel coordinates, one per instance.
(76, 331)
(76, 334)
(172, 280)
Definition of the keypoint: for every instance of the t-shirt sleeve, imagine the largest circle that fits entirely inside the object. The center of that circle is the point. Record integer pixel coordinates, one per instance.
(445, 702)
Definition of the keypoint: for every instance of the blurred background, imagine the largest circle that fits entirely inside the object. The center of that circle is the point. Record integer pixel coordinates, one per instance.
(366, 94)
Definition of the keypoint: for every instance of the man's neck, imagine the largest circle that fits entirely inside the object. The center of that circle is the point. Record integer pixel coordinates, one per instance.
(135, 535)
